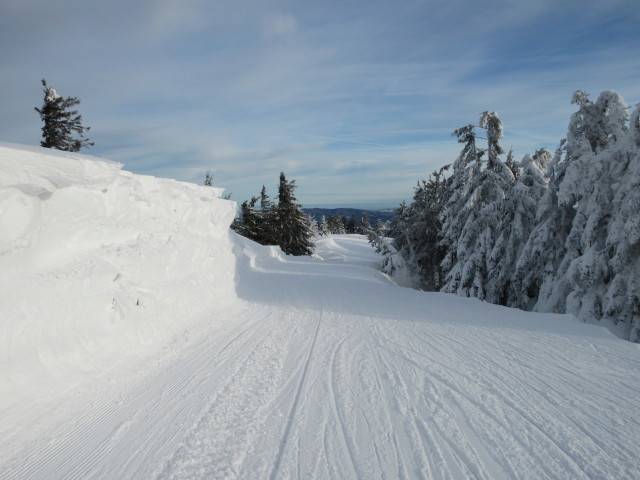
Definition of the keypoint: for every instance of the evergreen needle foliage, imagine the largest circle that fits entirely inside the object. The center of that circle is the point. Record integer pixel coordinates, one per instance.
(284, 224)
(61, 123)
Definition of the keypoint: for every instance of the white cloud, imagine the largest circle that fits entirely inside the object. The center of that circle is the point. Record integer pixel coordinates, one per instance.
(280, 24)
(334, 93)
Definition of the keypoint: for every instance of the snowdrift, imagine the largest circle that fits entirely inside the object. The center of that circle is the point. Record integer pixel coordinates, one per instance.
(98, 265)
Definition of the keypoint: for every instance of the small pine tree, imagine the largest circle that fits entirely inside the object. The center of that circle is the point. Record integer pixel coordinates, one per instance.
(399, 221)
(379, 227)
(352, 225)
(512, 165)
(60, 123)
(324, 227)
(208, 179)
(336, 225)
(249, 224)
(364, 227)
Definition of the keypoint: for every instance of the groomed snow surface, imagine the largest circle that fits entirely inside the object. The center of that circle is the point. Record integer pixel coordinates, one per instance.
(140, 339)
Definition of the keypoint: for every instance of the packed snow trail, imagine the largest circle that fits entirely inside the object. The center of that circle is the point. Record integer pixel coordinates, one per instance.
(324, 369)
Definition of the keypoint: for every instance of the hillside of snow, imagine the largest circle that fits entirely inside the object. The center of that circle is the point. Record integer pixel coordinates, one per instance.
(98, 265)
(139, 338)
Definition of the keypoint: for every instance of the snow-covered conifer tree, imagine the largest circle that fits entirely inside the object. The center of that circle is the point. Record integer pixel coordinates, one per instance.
(249, 224)
(364, 226)
(313, 225)
(581, 173)
(517, 218)
(621, 303)
(294, 230)
(379, 227)
(324, 227)
(587, 187)
(399, 220)
(512, 165)
(352, 226)
(459, 207)
(60, 123)
(484, 220)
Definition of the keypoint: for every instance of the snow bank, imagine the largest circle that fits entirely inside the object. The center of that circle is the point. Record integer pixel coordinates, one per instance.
(98, 265)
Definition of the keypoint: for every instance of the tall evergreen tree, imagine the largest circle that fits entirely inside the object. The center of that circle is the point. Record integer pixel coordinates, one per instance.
(351, 226)
(621, 303)
(293, 228)
(335, 224)
(493, 125)
(324, 227)
(249, 224)
(512, 165)
(461, 204)
(557, 212)
(60, 123)
(415, 252)
(267, 220)
(364, 226)
(516, 218)
(589, 188)
(379, 227)
(399, 220)
(483, 220)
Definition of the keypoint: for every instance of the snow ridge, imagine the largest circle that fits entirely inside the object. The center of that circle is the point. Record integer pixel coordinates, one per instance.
(98, 265)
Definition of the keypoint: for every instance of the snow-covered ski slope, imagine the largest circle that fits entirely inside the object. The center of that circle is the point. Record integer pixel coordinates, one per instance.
(288, 367)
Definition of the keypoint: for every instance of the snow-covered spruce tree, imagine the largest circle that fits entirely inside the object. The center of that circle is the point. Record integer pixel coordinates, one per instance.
(249, 222)
(555, 242)
(60, 123)
(544, 248)
(208, 179)
(399, 220)
(460, 205)
(293, 228)
(267, 220)
(313, 225)
(352, 226)
(420, 243)
(480, 219)
(378, 227)
(512, 165)
(415, 250)
(621, 303)
(392, 260)
(495, 131)
(364, 226)
(332, 223)
(336, 224)
(517, 212)
(588, 188)
(324, 227)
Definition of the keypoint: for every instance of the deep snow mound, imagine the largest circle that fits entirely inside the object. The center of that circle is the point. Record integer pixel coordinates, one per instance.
(98, 264)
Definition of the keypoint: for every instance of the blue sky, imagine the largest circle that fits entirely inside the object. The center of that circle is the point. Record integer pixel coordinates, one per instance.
(354, 99)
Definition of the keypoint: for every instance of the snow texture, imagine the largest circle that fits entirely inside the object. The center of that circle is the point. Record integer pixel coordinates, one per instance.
(141, 339)
(98, 265)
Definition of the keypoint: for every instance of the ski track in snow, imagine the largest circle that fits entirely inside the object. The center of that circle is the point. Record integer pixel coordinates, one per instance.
(324, 369)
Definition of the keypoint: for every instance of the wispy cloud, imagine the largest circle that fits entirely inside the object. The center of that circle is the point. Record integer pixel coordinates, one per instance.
(282, 24)
(350, 98)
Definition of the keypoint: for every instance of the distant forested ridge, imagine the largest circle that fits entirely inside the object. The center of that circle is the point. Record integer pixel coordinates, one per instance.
(374, 215)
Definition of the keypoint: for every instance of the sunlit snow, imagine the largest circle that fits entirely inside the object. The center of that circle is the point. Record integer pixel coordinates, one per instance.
(139, 338)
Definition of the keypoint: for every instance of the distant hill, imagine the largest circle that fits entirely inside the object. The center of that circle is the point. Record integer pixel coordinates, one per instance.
(384, 215)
